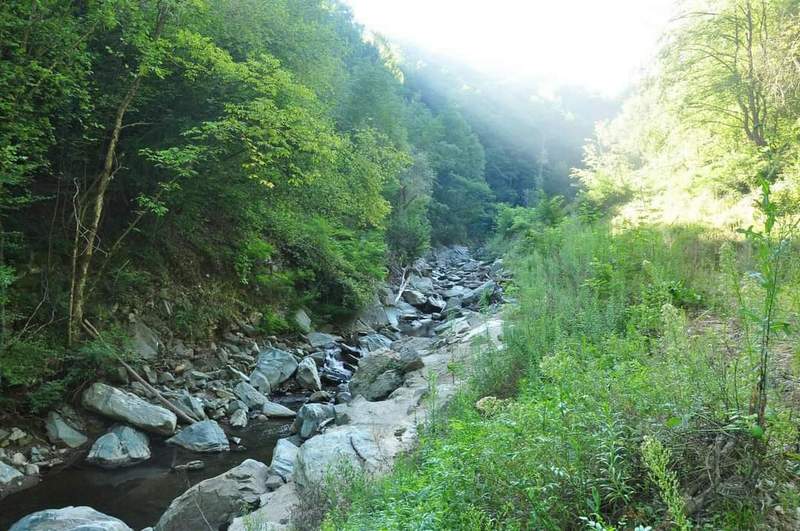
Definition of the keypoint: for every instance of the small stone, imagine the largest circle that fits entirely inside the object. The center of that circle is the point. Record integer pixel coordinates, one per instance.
(19, 437)
(307, 375)
(250, 395)
(31, 470)
(150, 375)
(239, 418)
(18, 459)
(140, 389)
(320, 397)
(190, 466)
(274, 482)
(272, 409)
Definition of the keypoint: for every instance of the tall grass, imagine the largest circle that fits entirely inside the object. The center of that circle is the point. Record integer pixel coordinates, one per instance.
(629, 402)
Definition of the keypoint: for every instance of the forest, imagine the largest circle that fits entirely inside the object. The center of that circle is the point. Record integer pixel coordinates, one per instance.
(585, 306)
(202, 161)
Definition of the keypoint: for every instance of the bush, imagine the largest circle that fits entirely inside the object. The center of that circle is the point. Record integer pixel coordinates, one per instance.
(600, 355)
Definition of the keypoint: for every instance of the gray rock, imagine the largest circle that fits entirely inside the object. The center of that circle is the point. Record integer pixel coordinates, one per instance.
(436, 304)
(145, 341)
(414, 297)
(320, 339)
(374, 315)
(302, 320)
(121, 446)
(418, 328)
(260, 382)
(307, 375)
(150, 375)
(383, 385)
(70, 519)
(239, 418)
(320, 396)
(283, 459)
(326, 454)
(485, 290)
(59, 431)
(422, 284)
(274, 481)
(372, 342)
(129, 408)
(276, 366)
(204, 436)
(456, 292)
(275, 410)
(311, 417)
(381, 372)
(234, 405)
(215, 502)
(8, 475)
(250, 395)
(191, 466)
(189, 404)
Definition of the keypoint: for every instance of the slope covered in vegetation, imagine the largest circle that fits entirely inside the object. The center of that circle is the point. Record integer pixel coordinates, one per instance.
(201, 161)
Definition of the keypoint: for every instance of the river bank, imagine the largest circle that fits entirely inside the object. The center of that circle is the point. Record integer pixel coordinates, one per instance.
(398, 342)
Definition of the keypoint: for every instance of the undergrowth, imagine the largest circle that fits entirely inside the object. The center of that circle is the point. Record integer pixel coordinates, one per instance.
(631, 386)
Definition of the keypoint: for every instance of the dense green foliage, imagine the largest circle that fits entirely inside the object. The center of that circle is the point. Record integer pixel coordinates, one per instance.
(630, 398)
(199, 161)
(719, 112)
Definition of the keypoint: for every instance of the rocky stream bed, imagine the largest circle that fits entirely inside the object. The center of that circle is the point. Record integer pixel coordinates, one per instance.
(225, 437)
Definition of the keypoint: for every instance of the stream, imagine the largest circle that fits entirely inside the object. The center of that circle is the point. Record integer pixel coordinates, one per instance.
(139, 495)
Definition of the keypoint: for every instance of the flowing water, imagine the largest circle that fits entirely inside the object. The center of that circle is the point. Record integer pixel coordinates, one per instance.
(139, 495)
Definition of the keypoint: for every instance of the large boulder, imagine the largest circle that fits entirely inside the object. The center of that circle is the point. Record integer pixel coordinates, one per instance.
(275, 366)
(381, 372)
(307, 375)
(129, 408)
(374, 315)
(205, 436)
(302, 321)
(249, 395)
(422, 284)
(70, 519)
(283, 459)
(311, 417)
(145, 341)
(372, 342)
(120, 447)
(59, 431)
(215, 502)
(414, 297)
(333, 451)
(321, 339)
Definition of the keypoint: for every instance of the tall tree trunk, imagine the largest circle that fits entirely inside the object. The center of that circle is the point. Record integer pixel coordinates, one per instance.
(86, 233)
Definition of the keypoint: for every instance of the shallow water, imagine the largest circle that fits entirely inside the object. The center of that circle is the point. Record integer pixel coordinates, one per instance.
(138, 495)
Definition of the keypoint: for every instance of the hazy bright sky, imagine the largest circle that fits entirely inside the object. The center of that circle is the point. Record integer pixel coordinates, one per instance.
(598, 44)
